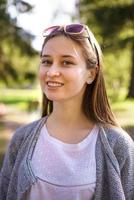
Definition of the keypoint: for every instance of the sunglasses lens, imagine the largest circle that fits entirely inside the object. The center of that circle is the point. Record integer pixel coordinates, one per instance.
(74, 28)
(50, 30)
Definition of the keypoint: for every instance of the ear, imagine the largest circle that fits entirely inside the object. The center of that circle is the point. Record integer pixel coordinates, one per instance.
(91, 75)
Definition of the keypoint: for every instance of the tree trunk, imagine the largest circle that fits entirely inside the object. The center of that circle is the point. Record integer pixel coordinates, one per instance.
(131, 85)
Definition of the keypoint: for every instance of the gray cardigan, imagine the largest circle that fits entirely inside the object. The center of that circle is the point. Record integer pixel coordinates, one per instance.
(114, 164)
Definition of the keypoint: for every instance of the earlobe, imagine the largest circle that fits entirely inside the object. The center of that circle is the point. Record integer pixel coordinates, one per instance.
(91, 75)
(90, 78)
(89, 81)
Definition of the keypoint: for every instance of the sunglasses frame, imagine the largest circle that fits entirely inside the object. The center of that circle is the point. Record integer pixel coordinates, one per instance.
(64, 28)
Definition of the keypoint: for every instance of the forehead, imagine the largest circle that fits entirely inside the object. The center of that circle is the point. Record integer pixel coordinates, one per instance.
(62, 45)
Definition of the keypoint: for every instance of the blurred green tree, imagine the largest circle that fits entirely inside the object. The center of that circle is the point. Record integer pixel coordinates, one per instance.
(114, 21)
(15, 49)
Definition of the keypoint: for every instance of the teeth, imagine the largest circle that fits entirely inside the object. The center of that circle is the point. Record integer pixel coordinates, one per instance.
(54, 84)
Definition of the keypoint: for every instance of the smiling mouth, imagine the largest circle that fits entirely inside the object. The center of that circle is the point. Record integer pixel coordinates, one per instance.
(54, 84)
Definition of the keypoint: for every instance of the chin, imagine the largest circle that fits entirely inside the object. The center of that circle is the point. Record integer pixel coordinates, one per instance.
(54, 98)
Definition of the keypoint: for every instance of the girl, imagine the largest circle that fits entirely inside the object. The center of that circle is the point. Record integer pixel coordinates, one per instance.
(76, 150)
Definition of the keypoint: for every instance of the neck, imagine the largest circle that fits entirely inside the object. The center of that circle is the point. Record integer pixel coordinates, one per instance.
(69, 114)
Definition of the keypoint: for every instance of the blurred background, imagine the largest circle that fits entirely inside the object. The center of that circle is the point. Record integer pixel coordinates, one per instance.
(21, 26)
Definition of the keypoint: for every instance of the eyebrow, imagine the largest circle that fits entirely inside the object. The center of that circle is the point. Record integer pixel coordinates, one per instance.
(45, 55)
(64, 56)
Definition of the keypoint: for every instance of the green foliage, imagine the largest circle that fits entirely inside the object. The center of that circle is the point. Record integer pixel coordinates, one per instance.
(113, 24)
(17, 57)
(116, 74)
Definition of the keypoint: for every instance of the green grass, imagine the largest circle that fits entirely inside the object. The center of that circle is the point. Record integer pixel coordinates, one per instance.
(124, 111)
(13, 96)
(123, 106)
(20, 98)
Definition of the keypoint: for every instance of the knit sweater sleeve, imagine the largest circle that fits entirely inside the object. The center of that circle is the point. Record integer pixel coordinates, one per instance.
(10, 158)
(124, 151)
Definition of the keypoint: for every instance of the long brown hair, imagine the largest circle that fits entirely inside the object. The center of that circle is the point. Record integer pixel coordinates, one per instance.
(95, 103)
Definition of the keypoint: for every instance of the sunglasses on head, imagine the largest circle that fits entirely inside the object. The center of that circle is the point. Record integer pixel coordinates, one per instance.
(73, 29)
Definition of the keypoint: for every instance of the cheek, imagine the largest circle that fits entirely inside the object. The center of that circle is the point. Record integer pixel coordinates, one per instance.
(81, 74)
(42, 73)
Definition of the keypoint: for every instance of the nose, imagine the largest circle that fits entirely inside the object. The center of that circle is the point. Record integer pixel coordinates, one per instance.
(53, 71)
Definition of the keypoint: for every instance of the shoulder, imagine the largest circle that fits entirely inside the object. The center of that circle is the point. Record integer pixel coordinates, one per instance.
(121, 143)
(23, 132)
(118, 135)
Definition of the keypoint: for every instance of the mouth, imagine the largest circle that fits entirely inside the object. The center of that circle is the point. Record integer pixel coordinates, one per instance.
(54, 84)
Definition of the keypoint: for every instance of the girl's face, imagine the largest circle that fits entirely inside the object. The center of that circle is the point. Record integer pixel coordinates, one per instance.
(63, 74)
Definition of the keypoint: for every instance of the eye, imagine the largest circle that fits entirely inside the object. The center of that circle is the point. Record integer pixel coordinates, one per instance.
(46, 62)
(67, 63)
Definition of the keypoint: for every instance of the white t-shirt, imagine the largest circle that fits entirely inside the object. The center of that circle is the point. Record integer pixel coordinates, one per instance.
(64, 171)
